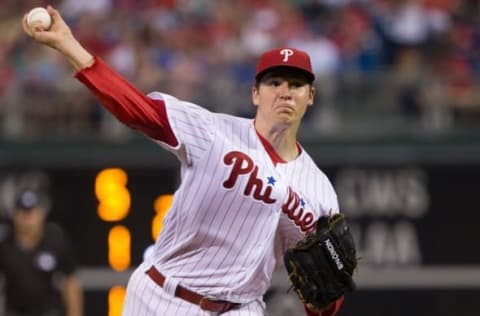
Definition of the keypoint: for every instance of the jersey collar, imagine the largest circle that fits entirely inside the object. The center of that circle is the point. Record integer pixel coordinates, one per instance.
(272, 153)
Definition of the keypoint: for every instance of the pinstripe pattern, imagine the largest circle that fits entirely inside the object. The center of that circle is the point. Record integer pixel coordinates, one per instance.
(314, 185)
(227, 227)
(155, 301)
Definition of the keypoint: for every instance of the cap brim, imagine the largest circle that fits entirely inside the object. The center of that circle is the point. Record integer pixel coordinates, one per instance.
(307, 74)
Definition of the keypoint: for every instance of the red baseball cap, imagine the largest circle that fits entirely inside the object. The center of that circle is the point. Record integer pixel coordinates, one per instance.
(284, 57)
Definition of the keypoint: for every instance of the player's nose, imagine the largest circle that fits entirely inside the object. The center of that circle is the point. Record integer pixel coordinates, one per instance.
(284, 89)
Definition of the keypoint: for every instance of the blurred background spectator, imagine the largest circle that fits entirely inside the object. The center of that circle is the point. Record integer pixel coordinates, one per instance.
(37, 264)
(382, 65)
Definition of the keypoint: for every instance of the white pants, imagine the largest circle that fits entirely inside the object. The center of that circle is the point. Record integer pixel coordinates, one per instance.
(146, 298)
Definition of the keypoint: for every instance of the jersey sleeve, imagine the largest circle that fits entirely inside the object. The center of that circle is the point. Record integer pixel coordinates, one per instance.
(180, 127)
(192, 126)
(127, 103)
(330, 199)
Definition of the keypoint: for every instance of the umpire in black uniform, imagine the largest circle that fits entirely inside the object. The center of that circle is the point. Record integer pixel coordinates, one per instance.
(37, 263)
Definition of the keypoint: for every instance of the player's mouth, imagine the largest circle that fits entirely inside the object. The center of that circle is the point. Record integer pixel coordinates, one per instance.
(286, 107)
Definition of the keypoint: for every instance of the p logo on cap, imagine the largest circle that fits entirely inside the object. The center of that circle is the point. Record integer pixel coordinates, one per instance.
(286, 52)
(285, 57)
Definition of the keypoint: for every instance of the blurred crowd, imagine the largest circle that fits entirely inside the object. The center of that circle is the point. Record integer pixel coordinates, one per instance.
(380, 64)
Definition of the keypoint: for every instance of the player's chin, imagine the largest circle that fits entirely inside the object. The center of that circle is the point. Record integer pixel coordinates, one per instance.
(287, 116)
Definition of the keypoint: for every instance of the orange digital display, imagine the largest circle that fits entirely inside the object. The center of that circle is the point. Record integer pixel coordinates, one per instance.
(114, 203)
(112, 194)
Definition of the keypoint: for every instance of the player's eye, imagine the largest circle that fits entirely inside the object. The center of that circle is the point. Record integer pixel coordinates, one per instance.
(274, 82)
(297, 83)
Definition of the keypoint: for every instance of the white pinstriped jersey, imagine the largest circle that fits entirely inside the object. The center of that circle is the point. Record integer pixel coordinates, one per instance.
(235, 210)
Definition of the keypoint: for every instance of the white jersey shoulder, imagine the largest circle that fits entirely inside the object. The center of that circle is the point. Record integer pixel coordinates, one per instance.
(194, 127)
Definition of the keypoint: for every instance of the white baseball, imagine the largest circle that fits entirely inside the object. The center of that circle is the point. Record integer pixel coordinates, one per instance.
(41, 15)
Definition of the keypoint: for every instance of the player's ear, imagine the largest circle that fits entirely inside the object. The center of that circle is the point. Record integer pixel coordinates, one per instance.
(255, 95)
(312, 95)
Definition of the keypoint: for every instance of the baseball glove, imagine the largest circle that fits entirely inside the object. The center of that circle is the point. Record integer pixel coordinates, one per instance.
(320, 267)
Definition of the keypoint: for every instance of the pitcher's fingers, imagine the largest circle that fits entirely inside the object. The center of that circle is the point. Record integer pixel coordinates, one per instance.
(56, 16)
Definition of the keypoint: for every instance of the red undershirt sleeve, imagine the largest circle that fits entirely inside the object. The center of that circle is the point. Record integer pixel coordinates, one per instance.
(127, 103)
(330, 311)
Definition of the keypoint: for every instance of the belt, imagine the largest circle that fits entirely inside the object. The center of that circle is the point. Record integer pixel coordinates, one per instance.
(204, 302)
